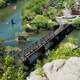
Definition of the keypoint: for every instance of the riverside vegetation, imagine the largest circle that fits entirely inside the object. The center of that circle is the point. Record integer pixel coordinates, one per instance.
(63, 51)
(4, 3)
(42, 14)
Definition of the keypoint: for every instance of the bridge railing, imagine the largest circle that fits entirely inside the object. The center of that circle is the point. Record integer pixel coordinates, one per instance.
(28, 51)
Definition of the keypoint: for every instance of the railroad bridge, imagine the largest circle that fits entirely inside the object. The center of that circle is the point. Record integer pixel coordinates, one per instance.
(29, 54)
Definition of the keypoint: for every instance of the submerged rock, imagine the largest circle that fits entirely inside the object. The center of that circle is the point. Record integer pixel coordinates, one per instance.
(59, 70)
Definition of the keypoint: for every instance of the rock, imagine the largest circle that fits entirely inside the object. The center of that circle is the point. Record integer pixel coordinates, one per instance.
(59, 70)
(53, 67)
(34, 76)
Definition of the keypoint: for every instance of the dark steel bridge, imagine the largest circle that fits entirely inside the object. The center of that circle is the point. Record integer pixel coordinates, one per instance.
(53, 36)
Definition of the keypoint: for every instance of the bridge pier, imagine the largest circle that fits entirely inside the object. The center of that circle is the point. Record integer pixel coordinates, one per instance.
(27, 63)
(42, 52)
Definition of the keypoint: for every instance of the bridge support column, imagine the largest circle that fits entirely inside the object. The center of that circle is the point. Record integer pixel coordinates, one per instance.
(42, 53)
(27, 63)
(69, 29)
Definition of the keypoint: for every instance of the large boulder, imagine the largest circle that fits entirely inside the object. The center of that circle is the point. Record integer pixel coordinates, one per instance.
(59, 70)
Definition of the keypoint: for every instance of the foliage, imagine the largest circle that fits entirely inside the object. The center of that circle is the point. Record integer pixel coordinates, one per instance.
(27, 16)
(8, 74)
(40, 69)
(73, 40)
(39, 64)
(20, 73)
(70, 3)
(41, 72)
(63, 52)
(2, 2)
(31, 9)
(36, 5)
(53, 12)
(28, 13)
(76, 23)
(11, 70)
(41, 21)
(39, 15)
(8, 60)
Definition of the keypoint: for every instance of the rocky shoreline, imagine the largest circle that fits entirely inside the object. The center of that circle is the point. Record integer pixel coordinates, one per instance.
(59, 70)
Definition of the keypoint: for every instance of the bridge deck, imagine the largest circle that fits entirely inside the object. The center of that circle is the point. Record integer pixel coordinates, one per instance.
(27, 52)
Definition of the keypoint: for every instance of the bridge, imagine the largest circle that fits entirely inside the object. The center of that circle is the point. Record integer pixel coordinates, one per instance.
(58, 34)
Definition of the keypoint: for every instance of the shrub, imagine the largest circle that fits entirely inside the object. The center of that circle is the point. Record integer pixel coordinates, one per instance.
(76, 23)
(11, 71)
(41, 21)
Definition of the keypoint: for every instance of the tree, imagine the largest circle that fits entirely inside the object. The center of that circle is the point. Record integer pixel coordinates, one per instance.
(20, 73)
(44, 22)
(8, 60)
(12, 70)
(35, 5)
(76, 23)
(70, 3)
(40, 21)
(2, 2)
(8, 74)
(62, 52)
(73, 40)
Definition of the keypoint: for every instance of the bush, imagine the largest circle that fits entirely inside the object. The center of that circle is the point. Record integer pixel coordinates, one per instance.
(44, 22)
(53, 12)
(36, 5)
(76, 23)
(62, 52)
(2, 2)
(10, 70)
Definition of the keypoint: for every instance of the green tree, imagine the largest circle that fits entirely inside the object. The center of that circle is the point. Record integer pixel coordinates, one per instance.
(41, 21)
(73, 40)
(8, 60)
(2, 2)
(53, 12)
(76, 23)
(12, 70)
(62, 52)
(36, 5)
(20, 73)
(8, 74)
(70, 3)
